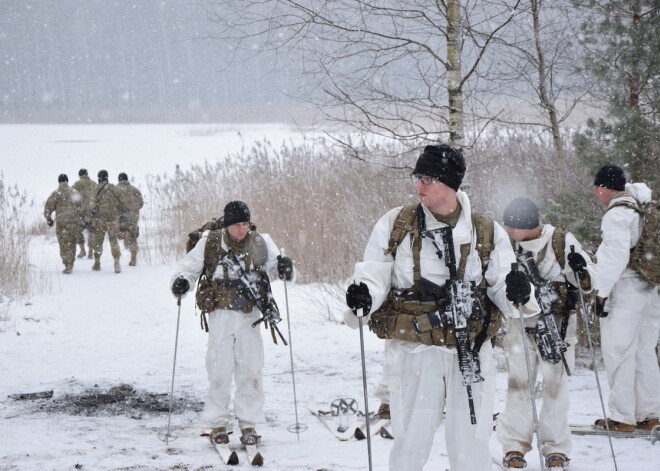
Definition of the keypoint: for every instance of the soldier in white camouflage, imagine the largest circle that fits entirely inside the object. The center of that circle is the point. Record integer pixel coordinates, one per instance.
(65, 203)
(108, 205)
(129, 229)
(86, 188)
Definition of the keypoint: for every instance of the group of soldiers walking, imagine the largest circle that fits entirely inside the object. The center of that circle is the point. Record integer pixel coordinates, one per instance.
(97, 208)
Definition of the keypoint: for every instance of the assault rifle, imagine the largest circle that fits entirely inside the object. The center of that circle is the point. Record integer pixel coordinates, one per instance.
(249, 289)
(461, 305)
(546, 334)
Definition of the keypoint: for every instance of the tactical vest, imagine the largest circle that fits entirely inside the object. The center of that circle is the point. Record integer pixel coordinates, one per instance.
(645, 255)
(225, 293)
(394, 319)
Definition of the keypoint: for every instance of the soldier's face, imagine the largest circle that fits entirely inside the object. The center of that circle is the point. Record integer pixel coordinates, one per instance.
(604, 195)
(238, 231)
(523, 234)
(434, 194)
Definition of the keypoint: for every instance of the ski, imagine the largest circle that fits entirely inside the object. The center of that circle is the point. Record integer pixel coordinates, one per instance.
(328, 420)
(254, 455)
(585, 429)
(377, 427)
(227, 455)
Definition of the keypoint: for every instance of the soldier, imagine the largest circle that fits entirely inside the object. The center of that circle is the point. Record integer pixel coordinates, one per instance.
(405, 287)
(108, 205)
(235, 347)
(65, 202)
(628, 303)
(86, 188)
(129, 230)
(550, 251)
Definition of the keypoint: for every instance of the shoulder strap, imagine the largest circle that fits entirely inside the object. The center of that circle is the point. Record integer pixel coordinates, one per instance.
(484, 227)
(212, 252)
(625, 203)
(405, 222)
(559, 246)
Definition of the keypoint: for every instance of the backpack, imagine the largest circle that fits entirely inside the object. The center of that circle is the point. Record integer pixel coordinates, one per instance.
(194, 236)
(644, 256)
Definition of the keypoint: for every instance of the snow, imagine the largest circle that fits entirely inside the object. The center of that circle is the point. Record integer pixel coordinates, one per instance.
(101, 330)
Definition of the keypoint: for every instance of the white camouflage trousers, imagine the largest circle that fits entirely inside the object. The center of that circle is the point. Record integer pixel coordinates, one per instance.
(629, 336)
(422, 385)
(515, 426)
(235, 351)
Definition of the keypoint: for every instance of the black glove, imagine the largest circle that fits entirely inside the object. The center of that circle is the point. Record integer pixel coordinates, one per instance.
(600, 307)
(518, 288)
(284, 268)
(50, 222)
(358, 297)
(577, 264)
(180, 286)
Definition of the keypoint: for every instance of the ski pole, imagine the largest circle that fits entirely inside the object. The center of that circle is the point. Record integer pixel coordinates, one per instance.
(514, 267)
(176, 344)
(593, 360)
(297, 427)
(364, 386)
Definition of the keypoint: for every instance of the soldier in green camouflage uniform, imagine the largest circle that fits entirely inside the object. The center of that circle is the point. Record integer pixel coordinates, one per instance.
(65, 202)
(128, 220)
(108, 205)
(86, 188)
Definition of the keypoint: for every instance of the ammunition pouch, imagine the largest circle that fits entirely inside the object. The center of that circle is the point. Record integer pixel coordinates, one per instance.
(413, 317)
(222, 294)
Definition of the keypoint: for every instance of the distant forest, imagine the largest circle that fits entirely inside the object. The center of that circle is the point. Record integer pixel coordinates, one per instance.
(121, 60)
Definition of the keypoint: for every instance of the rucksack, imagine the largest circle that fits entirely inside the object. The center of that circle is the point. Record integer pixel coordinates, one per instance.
(194, 236)
(644, 256)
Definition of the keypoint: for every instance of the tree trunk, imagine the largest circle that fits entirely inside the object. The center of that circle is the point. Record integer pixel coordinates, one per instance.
(546, 101)
(454, 88)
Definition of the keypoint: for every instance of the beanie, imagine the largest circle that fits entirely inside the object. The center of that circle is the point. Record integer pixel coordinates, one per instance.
(123, 177)
(62, 178)
(521, 213)
(82, 172)
(444, 163)
(235, 212)
(612, 177)
(103, 176)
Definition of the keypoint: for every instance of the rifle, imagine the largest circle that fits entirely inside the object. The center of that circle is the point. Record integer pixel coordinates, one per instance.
(461, 305)
(250, 290)
(546, 334)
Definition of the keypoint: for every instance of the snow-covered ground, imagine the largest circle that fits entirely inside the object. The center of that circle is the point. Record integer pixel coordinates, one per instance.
(95, 331)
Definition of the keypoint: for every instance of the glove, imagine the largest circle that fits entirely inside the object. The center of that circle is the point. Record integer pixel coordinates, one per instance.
(180, 286)
(518, 288)
(577, 264)
(284, 268)
(358, 297)
(50, 222)
(600, 307)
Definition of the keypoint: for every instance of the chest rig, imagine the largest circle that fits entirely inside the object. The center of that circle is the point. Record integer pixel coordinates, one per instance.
(223, 292)
(405, 308)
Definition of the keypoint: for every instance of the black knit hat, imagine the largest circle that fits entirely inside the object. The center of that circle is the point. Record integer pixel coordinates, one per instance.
(123, 177)
(522, 213)
(612, 177)
(62, 178)
(444, 163)
(235, 212)
(103, 176)
(82, 172)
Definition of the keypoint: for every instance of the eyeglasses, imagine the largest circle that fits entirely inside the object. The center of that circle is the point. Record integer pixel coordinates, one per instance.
(425, 179)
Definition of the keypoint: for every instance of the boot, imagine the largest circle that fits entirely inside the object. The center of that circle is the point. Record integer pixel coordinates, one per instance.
(383, 411)
(614, 426)
(117, 267)
(82, 250)
(97, 263)
(68, 268)
(648, 424)
(556, 460)
(514, 459)
(133, 261)
(249, 436)
(219, 435)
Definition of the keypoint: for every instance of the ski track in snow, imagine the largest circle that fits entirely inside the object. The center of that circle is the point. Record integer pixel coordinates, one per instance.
(106, 329)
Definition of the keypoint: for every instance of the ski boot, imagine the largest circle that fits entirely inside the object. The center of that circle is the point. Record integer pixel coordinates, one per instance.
(249, 436)
(384, 412)
(514, 459)
(557, 460)
(648, 424)
(614, 426)
(219, 435)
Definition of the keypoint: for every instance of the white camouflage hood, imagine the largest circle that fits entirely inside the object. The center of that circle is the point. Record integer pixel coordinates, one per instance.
(640, 191)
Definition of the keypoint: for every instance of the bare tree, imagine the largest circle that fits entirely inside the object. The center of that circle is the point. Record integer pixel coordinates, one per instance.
(401, 69)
